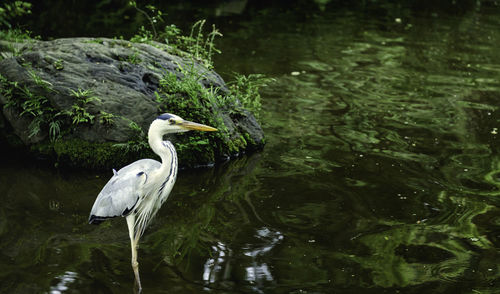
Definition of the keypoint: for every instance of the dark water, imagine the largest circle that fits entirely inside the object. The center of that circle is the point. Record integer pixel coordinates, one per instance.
(381, 173)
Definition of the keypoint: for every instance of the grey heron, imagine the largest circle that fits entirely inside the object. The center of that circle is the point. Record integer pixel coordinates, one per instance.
(138, 190)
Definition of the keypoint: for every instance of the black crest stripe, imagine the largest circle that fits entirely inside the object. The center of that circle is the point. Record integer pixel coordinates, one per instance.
(165, 116)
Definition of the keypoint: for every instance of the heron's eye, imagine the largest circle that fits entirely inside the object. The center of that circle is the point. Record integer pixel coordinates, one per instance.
(171, 121)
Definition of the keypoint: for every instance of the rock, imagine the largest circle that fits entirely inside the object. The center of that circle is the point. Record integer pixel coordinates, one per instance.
(88, 102)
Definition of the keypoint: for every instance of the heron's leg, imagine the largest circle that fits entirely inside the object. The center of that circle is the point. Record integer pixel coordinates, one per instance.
(133, 245)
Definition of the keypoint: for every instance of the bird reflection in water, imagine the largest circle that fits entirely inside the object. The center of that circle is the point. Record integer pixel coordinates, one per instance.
(218, 269)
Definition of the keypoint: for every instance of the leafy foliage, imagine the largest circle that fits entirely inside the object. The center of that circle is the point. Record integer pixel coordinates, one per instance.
(29, 102)
(245, 89)
(8, 12)
(12, 10)
(106, 118)
(185, 95)
(201, 47)
(78, 113)
(198, 45)
(139, 142)
(32, 104)
(155, 18)
(183, 92)
(187, 98)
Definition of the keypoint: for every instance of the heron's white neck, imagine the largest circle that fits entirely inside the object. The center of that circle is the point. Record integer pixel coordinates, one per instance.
(155, 139)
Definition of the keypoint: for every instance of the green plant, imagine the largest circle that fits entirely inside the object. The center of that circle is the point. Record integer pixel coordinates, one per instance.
(106, 118)
(23, 97)
(33, 104)
(200, 47)
(138, 143)
(134, 59)
(12, 10)
(8, 12)
(58, 64)
(185, 92)
(142, 36)
(245, 89)
(39, 81)
(136, 129)
(15, 36)
(187, 97)
(54, 130)
(35, 126)
(95, 41)
(78, 113)
(197, 45)
(193, 145)
(8, 89)
(84, 95)
(170, 34)
(157, 16)
(29, 103)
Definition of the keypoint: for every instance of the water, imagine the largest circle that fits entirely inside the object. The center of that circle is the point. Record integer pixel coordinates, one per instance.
(381, 173)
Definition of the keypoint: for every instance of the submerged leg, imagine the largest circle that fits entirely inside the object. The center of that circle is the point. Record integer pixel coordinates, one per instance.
(133, 245)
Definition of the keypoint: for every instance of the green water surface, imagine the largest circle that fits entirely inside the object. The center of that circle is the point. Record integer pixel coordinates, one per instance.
(381, 173)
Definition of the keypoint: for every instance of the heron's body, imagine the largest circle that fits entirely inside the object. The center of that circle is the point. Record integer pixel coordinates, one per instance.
(135, 183)
(138, 190)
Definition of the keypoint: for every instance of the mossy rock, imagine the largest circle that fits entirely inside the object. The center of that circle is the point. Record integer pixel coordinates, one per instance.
(75, 99)
(79, 153)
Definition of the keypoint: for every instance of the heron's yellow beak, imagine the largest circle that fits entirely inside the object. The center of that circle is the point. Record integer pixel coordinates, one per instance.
(196, 126)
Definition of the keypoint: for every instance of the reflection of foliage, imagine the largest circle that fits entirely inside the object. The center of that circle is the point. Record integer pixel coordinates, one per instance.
(419, 168)
(197, 232)
(419, 155)
(392, 261)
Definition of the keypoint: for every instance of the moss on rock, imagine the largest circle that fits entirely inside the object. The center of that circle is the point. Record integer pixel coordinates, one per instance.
(85, 154)
(93, 103)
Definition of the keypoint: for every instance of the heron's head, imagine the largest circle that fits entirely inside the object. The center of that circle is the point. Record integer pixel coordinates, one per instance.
(171, 123)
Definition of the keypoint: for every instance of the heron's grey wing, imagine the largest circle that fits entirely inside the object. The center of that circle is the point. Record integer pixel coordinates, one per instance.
(120, 195)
